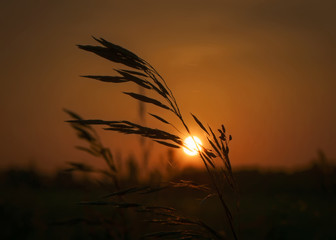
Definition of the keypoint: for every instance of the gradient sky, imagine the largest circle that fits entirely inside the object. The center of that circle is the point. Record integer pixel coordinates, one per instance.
(266, 69)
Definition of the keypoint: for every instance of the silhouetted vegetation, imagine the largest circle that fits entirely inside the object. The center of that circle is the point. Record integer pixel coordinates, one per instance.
(215, 156)
(274, 205)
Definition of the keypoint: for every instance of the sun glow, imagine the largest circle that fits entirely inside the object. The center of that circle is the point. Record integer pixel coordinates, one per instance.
(191, 147)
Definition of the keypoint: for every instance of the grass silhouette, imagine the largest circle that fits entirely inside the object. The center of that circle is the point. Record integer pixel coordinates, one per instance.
(215, 156)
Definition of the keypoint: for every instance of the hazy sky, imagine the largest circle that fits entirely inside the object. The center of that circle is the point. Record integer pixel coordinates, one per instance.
(266, 69)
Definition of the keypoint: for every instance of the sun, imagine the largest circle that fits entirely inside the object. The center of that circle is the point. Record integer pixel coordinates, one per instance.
(191, 147)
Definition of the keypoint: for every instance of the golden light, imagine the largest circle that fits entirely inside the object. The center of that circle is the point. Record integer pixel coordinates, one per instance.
(191, 147)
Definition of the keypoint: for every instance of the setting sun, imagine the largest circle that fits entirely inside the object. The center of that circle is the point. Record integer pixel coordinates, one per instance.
(191, 147)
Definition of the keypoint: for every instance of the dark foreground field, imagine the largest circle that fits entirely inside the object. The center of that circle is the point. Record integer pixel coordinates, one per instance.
(273, 205)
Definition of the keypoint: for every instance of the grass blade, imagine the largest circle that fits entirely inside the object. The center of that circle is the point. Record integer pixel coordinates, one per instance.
(199, 123)
(114, 79)
(159, 118)
(167, 144)
(147, 99)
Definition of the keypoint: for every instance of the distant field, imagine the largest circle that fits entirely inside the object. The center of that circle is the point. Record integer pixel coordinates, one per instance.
(272, 206)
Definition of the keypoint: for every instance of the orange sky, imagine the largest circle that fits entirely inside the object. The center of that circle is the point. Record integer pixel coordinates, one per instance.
(264, 69)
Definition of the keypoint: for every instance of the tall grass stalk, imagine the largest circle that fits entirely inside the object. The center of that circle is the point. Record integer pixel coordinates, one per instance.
(214, 154)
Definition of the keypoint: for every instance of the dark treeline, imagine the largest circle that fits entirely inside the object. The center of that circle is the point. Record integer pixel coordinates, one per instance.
(273, 204)
(316, 177)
